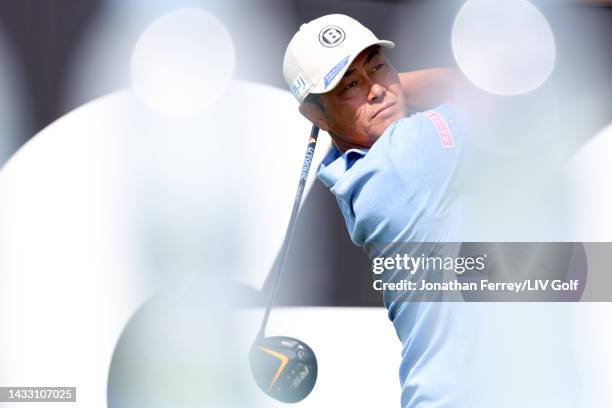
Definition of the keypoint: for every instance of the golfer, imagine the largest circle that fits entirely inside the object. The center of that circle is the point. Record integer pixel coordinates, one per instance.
(391, 170)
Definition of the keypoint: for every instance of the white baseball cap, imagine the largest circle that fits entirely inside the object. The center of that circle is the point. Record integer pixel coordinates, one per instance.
(319, 54)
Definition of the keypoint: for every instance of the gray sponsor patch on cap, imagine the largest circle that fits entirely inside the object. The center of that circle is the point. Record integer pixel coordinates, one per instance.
(331, 36)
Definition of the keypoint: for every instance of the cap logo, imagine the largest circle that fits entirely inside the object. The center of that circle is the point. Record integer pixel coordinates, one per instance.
(331, 36)
(299, 87)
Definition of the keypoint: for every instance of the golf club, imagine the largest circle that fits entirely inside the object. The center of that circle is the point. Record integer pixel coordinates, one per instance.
(283, 367)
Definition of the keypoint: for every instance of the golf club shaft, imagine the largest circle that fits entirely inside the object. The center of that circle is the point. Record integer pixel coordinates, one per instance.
(312, 141)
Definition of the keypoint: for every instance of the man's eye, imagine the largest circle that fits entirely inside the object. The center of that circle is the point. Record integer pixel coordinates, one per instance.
(377, 67)
(351, 85)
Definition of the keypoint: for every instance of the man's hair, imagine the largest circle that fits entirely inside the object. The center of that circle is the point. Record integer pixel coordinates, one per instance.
(316, 100)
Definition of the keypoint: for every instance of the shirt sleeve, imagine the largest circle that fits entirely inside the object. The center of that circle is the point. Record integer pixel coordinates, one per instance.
(426, 148)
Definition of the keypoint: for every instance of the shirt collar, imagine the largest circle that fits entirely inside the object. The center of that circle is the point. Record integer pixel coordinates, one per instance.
(335, 164)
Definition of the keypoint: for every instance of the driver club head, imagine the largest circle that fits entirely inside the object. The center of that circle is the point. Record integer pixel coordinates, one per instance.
(283, 367)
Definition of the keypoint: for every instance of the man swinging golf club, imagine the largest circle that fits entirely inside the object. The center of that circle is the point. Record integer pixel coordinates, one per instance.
(391, 173)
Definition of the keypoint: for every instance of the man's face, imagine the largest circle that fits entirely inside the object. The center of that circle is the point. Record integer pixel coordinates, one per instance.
(365, 102)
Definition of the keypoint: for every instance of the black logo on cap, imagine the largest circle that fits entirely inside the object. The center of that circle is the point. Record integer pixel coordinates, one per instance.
(331, 36)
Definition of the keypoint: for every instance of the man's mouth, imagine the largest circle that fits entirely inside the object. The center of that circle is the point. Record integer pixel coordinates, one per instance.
(385, 110)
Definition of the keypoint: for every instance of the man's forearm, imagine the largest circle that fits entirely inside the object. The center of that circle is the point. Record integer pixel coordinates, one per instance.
(427, 88)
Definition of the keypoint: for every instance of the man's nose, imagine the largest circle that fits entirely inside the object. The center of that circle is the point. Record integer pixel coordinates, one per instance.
(377, 92)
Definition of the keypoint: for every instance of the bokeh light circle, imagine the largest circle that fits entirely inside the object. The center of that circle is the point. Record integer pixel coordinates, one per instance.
(183, 62)
(503, 47)
(588, 190)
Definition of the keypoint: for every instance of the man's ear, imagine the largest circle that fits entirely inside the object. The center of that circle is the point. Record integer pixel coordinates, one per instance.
(313, 113)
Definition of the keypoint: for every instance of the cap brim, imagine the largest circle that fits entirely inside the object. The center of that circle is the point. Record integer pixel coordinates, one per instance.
(320, 87)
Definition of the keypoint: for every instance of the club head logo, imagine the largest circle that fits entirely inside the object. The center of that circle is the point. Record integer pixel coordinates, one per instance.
(331, 36)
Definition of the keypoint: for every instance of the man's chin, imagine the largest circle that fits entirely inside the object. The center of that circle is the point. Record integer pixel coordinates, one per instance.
(380, 129)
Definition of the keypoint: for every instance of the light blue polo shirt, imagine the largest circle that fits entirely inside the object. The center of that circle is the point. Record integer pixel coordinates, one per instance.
(401, 188)
(405, 188)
